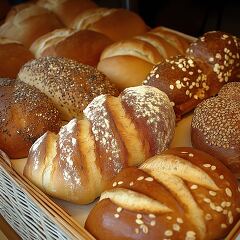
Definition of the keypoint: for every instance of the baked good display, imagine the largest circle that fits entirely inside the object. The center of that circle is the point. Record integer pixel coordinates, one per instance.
(215, 126)
(67, 10)
(26, 22)
(128, 62)
(116, 23)
(12, 56)
(25, 114)
(181, 194)
(208, 64)
(69, 84)
(77, 164)
(84, 46)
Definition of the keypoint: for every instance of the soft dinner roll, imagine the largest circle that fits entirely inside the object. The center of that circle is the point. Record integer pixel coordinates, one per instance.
(25, 114)
(182, 194)
(84, 46)
(116, 23)
(70, 84)
(12, 56)
(216, 127)
(67, 10)
(26, 22)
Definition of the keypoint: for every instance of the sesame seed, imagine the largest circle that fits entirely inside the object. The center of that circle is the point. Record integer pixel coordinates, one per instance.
(157, 76)
(116, 215)
(171, 87)
(211, 59)
(149, 179)
(139, 221)
(190, 73)
(221, 177)
(213, 167)
(179, 220)
(151, 215)
(140, 178)
(114, 184)
(228, 204)
(176, 227)
(194, 186)
(153, 223)
(228, 192)
(168, 233)
(131, 183)
(169, 218)
(119, 209)
(212, 193)
(223, 225)
(207, 200)
(120, 182)
(207, 165)
(139, 215)
(218, 209)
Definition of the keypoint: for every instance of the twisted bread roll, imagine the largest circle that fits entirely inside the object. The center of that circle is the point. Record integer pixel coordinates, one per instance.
(69, 84)
(128, 62)
(25, 114)
(209, 62)
(180, 194)
(77, 164)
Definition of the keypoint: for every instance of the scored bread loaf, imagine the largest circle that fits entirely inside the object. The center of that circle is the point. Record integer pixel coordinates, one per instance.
(209, 62)
(84, 46)
(25, 114)
(182, 194)
(77, 164)
(26, 22)
(135, 57)
(69, 84)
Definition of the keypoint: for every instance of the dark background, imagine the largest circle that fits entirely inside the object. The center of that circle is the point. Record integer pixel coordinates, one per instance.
(193, 17)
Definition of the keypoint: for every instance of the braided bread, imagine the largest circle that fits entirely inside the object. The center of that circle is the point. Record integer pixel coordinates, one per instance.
(181, 194)
(79, 162)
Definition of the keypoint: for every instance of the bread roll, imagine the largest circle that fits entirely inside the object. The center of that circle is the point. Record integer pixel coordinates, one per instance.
(77, 164)
(187, 79)
(230, 91)
(135, 57)
(180, 194)
(27, 22)
(84, 46)
(215, 128)
(12, 56)
(70, 85)
(25, 114)
(117, 24)
(67, 10)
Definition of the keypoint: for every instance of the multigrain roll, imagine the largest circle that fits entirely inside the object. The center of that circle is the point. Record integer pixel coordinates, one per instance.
(215, 127)
(181, 194)
(26, 22)
(69, 84)
(25, 114)
(12, 56)
(84, 46)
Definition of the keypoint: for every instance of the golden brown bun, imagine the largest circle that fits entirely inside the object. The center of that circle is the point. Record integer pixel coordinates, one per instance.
(84, 46)
(136, 56)
(115, 132)
(190, 78)
(180, 194)
(67, 10)
(69, 84)
(27, 22)
(117, 24)
(25, 114)
(215, 129)
(12, 56)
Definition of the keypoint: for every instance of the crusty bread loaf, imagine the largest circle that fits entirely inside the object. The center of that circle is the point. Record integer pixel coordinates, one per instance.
(187, 79)
(84, 46)
(180, 194)
(139, 54)
(215, 126)
(26, 22)
(12, 56)
(117, 24)
(67, 10)
(70, 84)
(77, 164)
(25, 114)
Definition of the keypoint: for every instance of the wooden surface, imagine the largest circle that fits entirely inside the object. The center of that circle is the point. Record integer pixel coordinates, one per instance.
(6, 232)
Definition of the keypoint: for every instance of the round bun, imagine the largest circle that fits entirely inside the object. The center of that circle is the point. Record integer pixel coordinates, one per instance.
(12, 56)
(181, 194)
(26, 22)
(215, 129)
(67, 10)
(230, 91)
(70, 84)
(25, 114)
(84, 46)
(117, 24)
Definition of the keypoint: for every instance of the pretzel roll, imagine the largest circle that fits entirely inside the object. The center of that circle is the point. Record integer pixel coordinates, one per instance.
(12, 56)
(215, 129)
(230, 91)
(25, 114)
(84, 46)
(181, 194)
(117, 24)
(67, 10)
(218, 53)
(27, 22)
(70, 85)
